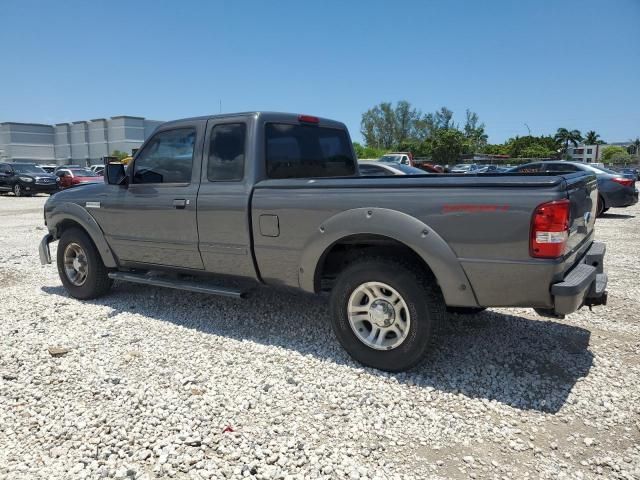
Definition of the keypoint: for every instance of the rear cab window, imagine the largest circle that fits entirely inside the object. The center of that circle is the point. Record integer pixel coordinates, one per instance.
(305, 151)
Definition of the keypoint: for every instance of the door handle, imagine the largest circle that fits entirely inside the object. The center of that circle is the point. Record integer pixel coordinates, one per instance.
(180, 203)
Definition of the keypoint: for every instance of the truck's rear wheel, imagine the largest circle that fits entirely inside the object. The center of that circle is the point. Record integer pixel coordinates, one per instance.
(80, 267)
(385, 314)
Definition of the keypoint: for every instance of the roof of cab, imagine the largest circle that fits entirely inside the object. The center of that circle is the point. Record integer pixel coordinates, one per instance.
(268, 116)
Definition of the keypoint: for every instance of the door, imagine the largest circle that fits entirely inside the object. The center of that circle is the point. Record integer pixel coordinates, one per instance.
(223, 200)
(153, 219)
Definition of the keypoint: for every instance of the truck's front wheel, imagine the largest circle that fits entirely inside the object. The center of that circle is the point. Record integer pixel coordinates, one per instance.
(80, 267)
(386, 314)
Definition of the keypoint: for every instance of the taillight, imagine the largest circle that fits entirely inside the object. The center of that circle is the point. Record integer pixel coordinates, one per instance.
(308, 119)
(625, 182)
(550, 229)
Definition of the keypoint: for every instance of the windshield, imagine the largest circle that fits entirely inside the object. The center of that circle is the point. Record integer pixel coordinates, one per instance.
(599, 169)
(83, 172)
(390, 158)
(28, 169)
(462, 167)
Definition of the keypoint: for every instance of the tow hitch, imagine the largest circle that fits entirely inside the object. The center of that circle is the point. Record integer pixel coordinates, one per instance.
(595, 301)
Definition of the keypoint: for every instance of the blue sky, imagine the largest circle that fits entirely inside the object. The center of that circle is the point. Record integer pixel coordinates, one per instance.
(546, 63)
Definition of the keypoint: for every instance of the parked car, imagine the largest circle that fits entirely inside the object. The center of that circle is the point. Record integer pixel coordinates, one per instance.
(65, 167)
(405, 158)
(277, 199)
(379, 169)
(614, 190)
(98, 169)
(48, 168)
(491, 169)
(71, 177)
(26, 179)
(465, 168)
(633, 173)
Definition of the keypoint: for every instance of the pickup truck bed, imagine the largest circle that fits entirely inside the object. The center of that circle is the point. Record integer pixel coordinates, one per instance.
(478, 228)
(277, 199)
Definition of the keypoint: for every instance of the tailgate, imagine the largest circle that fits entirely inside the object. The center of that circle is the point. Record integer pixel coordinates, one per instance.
(582, 191)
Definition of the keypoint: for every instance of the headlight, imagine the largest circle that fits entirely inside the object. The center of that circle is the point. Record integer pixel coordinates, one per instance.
(26, 179)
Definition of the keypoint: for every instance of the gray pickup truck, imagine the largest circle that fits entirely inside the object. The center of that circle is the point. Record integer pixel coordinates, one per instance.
(277, 199)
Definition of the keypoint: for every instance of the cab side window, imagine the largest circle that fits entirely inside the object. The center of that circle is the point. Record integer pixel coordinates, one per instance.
(168, 158)
(227, 152)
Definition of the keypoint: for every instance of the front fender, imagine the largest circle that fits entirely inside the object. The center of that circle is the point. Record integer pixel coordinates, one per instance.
(398, 226)
(76, 213)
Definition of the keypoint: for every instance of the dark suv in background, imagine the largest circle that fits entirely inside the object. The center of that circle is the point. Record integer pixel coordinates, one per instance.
(26, 179)
(614, 190)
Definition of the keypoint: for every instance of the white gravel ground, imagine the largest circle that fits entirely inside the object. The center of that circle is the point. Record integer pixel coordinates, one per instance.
(165, 384)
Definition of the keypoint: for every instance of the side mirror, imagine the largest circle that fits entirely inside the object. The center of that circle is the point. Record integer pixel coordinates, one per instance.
(114, 174)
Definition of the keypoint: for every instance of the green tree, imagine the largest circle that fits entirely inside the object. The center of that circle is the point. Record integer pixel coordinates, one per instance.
(474, 132)
(536, 151)
(385, 126)
(367, 152)
(447, 144)
(592, 138)
(614, 153)
(523, 147)
(564, 137)
(496, 149)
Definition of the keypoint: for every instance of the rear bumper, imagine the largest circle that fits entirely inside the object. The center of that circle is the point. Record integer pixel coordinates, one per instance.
(43, 249)
(621, 198)
(585, 284)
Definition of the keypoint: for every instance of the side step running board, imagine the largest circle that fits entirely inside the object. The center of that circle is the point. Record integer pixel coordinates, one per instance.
(168, 282)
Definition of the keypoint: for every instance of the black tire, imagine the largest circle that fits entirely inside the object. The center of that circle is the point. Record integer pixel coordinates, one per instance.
(424, 304)
(466, 310)
(97, 281)
(17, 190)
(600, 208)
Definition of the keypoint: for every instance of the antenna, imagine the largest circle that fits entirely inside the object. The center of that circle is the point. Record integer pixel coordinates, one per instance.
(220, 105)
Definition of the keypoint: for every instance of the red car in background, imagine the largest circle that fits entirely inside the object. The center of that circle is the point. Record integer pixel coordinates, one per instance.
(71, 177)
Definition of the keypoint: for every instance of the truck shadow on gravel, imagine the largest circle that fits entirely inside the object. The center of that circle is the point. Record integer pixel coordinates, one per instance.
(621, 216)
(527, 364)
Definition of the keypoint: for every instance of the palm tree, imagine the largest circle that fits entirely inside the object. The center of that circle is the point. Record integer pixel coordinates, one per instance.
(592, 138)
(564, 137)
(635, 146)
